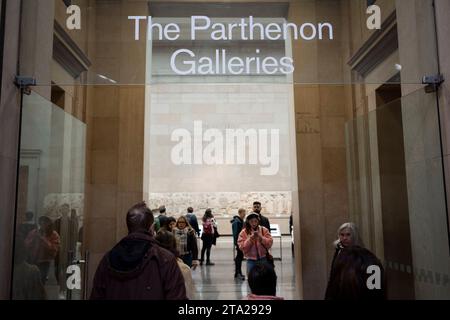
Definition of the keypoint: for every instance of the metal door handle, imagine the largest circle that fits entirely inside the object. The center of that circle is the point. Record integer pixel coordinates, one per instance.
(79, 261)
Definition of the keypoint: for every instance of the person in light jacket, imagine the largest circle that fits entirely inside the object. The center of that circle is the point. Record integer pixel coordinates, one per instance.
(255, 242)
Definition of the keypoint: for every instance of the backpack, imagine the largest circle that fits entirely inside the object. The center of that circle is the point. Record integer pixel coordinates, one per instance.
(208, 228)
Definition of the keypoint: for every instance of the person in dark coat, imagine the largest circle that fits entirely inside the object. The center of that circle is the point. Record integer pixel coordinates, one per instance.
(348, 236)
(237, 224)
(137, 268)
(264, 221)
(162, 219)
(351, 274)
(192, 219)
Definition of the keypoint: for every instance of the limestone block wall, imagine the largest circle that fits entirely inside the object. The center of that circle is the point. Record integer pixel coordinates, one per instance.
(224, 188)
(321, 113)
(115, 125)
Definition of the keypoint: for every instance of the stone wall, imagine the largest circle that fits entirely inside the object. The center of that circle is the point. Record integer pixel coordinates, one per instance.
(222, 186)
(223, 203)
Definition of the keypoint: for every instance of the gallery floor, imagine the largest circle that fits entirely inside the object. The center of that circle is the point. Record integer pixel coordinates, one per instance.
(217, 282)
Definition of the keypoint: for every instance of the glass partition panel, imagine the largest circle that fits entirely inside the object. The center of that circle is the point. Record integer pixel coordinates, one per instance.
(396, 187)
(49, 229)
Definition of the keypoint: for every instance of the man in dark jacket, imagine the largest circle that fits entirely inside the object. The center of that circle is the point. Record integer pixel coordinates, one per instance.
(263, 220)
(162, 219)
(192, 219)
(237, 224)
(137, 268)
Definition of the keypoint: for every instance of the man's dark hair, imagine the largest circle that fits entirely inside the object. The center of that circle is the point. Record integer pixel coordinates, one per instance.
(29, 215)
(162, 209)
(256, 202)
(167, 222)
(190, 210)
(139, 217)
(262, 280)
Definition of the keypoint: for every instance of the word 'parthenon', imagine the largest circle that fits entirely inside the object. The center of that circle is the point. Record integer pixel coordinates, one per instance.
(245, 28)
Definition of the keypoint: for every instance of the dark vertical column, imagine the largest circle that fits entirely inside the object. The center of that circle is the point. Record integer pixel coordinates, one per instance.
(394, 195)
(9, 140)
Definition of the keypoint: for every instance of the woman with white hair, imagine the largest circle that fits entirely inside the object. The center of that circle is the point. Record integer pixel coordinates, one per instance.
(348, 236)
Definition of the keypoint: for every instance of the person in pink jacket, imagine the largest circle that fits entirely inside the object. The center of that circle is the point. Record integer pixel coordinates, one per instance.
(255, 242)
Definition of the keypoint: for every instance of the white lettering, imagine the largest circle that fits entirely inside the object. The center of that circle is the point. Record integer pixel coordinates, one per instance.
(173, 65)
(136, 25)
(74, 279)
(374, 281)
(74, 21)
(374, 21)
(195, 27)
(235, 142)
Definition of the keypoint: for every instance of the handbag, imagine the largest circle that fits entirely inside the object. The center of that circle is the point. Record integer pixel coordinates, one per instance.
(269, 257)
(216, 233)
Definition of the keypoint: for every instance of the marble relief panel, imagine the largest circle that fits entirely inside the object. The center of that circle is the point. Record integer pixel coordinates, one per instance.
(222, 203)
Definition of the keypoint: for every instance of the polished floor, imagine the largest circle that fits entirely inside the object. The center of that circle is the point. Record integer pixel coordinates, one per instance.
(217, 282)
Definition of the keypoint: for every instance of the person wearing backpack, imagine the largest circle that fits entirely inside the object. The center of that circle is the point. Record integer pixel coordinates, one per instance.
(207, 237)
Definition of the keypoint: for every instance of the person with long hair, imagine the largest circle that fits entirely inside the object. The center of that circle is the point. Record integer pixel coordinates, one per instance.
(186, 242)
(255, 241)
(167, 240)
(347, 236)
(207, 237)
